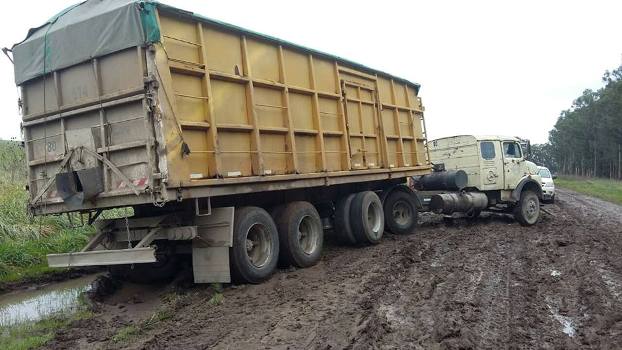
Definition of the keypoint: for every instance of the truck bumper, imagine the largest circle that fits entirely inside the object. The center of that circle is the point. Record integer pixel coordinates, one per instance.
(547, 193)
(103, 257)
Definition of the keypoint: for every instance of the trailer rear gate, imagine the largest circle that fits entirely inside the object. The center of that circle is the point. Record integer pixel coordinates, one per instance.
(206, 108)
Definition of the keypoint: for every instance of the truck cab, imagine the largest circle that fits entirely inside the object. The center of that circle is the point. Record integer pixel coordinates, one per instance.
(496, 166)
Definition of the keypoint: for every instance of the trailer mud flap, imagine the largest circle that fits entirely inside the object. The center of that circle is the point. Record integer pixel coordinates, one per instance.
(210, 249)
(103, 257)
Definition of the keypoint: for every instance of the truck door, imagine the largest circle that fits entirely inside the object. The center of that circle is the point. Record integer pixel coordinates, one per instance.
(512, 159)
(362, 123)
(492, 165)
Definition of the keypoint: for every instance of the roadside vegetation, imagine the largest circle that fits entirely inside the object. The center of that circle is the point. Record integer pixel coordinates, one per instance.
(25, 241)
(609, 190)
(33, 335)
(587, 138)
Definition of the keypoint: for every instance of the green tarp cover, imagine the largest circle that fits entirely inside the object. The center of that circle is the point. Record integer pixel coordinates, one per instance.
(81, 32)
(95, 28)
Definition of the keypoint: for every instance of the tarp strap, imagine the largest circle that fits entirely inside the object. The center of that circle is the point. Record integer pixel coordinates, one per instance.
(149, 21)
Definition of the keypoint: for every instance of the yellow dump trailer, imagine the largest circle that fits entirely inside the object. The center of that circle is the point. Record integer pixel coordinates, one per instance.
(136, 103)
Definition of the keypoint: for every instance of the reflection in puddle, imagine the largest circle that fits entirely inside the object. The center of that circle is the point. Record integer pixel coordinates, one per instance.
(32, 305)
(568, 326)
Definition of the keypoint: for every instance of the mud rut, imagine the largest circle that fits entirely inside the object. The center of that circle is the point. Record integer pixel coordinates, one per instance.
(487, 284)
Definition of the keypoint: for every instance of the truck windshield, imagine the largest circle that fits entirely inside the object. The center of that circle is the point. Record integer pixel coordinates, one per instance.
(511, 150)
(544, 173)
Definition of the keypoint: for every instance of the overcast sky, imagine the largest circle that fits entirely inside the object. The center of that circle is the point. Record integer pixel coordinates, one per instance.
(485, 67)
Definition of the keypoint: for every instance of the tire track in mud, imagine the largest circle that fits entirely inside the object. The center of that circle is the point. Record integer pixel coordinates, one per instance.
(371, 326)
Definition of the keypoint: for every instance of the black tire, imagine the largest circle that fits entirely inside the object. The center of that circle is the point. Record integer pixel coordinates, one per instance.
(400, 212)
(301, 234)
(367, 218)
(343, 229)
(255, 250)
(473, 214)
(164, 269)
(527, 210)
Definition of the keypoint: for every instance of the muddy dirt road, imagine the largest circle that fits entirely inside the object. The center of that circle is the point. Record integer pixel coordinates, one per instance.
(489, 284)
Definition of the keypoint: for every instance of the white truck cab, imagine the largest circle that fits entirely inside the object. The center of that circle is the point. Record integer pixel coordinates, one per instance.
(495, 166)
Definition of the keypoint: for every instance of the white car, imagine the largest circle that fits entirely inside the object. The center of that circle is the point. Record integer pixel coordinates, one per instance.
(548, 186)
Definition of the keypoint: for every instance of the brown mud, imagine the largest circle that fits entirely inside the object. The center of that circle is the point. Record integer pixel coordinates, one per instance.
(483, 284)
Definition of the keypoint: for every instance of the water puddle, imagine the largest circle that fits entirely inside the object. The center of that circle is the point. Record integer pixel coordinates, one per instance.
(566, 322)
(33, 305)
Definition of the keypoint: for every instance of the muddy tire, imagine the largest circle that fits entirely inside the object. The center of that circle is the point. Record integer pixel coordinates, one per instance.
(527, 211)
(473, 214)
(367, 218)
(164, 269)
(400, 213)
(301, 234)
(255, 250)
(343, 229)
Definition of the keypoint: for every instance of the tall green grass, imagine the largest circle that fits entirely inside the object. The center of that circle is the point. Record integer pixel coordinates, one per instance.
(25, 241)
(609, 190)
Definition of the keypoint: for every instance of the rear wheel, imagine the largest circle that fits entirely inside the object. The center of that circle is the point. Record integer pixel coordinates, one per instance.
(164, 269)
(367, 218)
(527, 211)
(301, 234)
(400, 212)
(255, 250)
(343, 229)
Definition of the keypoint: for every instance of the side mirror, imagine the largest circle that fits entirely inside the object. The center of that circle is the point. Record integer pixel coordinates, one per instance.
(554, 177)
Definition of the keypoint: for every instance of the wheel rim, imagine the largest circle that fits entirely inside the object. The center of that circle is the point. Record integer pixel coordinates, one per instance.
(374, 219)
(308, 235)
(258, 245)
(402, 215)
(531, 209)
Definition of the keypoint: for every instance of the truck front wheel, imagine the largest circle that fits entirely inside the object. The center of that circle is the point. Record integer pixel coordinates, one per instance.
(400, 213)
(300, 234)
(255, 250)
(527, 211)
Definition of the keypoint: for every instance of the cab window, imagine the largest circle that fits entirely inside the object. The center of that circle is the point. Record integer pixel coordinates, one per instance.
(511, 150)
(487, 150)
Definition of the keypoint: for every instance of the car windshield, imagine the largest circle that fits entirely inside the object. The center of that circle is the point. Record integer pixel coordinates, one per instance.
(544, 173)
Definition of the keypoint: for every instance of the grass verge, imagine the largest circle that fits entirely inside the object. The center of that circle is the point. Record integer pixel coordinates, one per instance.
(609, 190)
(33, 335)
(25, 241)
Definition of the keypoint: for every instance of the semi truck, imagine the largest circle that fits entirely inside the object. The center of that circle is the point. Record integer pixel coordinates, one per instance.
(232, 148)
(476, 173)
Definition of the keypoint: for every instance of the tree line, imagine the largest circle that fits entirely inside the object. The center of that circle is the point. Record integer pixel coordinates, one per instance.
(587, 138)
